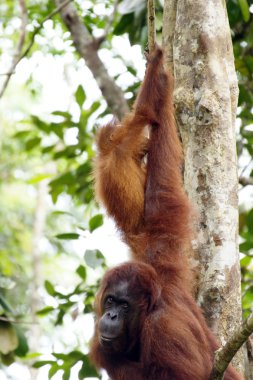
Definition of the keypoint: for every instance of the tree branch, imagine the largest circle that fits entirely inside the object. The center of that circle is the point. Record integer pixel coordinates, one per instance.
(21, 41)
(18, 56)
(169, 21)
(224, 355)
(36, 31)
(111, 18)
(151, 25)
(14, 321)
(245, 181)
(87, 47)
(246, 167)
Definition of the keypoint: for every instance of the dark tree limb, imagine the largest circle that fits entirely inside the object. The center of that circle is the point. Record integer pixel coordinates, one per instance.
(245, 181)
(224, 355)
(87, 47)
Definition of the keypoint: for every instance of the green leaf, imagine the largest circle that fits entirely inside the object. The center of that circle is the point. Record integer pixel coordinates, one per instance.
(249, 62)
(46, 310)
(48, 148)
(132, 70)
(32, 143)
(64, 179)
(245, 261)
(84, 169)
(249, 220)
(22, 348)
(81, 271)
(57, 128)
(39, 178)
(95, 106)
(59, 356)
(246, 246)
(123, 24)
(55, 368)
(59, 212)
(54, 192)
(249, 148)
(42, 363)
(95, 222)
(66, 374)
(32, 355)
(22, 134)
(69, 152)
(49, 288)
(68, 236)
(76, 355)
(94, 258)
(243, 4)
(244, 95)
(248, 299)
(8, 359)
(5, 305)
(40, 124)
(59, 320)
(87, 370)
(80, 96)
(242, 68)
(65, 115)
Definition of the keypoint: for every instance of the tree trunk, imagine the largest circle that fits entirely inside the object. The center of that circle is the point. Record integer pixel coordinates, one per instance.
(38, 232)
(198, 48)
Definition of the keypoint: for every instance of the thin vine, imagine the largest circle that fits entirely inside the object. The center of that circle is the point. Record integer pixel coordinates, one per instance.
(151, 25)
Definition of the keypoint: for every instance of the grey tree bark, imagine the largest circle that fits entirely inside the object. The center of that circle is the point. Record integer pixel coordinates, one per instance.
(199, 50)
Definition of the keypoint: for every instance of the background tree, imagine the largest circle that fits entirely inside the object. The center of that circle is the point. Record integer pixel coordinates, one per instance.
(51, 140)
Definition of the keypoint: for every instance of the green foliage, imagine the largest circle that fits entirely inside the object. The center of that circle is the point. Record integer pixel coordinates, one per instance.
(242, 32)
(80, 96)
(244, 9)
(13, 341)
(94, 258)
(32, 144)
(22, 347)
(133, 21)
(82, 272)
(64, 301)
(64, 362)
(35, 148)
(76, 178)
(246, 228)
(68, 236)
(96, 222)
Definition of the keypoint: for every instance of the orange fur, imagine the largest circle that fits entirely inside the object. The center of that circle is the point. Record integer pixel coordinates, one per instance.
(153, 213)
(120, 179)
(119, 174)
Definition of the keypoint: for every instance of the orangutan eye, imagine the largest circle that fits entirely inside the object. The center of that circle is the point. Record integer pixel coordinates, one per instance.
(125, 306)
(109, 300)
